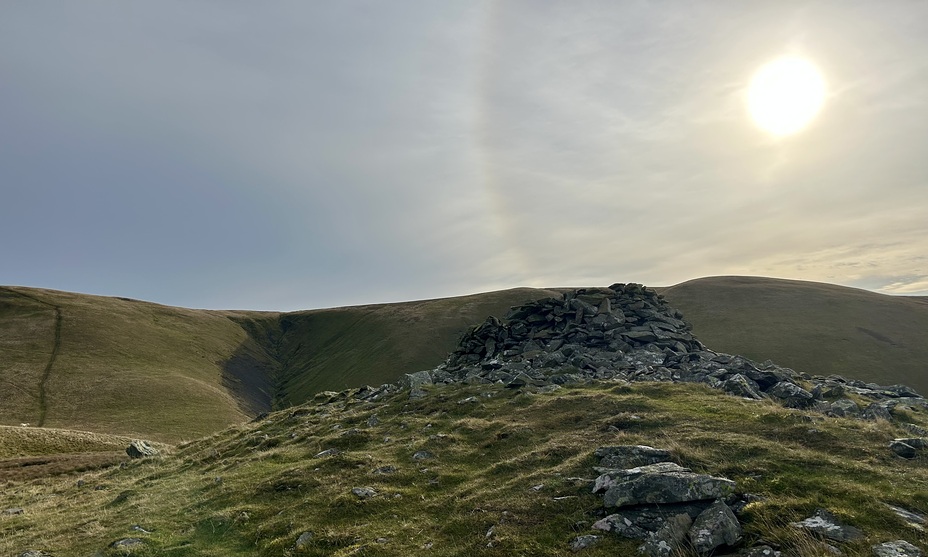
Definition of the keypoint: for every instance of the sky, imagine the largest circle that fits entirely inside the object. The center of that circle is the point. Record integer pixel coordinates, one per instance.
(292, 155)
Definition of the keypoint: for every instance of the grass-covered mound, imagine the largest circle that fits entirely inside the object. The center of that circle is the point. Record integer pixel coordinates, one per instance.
(471, 470)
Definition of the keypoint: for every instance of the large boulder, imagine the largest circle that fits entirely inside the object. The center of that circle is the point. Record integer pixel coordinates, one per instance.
(792, 395)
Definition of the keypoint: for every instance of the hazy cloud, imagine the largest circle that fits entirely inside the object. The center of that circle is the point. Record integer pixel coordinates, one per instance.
(296, 155)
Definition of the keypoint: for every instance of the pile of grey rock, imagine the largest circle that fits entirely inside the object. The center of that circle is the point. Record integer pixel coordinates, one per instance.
(628, 332)
(665, 505)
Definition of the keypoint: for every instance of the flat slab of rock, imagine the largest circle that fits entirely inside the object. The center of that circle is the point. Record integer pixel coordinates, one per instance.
(609, 478)
(668, 487)
(912, 518)
(827, 525)
(898, 548)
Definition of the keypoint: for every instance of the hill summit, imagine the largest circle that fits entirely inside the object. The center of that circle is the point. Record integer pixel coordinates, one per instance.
(591, 421)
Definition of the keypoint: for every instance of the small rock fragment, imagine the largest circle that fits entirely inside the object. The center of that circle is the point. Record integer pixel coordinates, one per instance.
(898, 548)
(583, 542)
(826, 524)
(364, 492)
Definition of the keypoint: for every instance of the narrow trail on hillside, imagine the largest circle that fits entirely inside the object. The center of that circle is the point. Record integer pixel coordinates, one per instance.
(43, 403)
(56, 347)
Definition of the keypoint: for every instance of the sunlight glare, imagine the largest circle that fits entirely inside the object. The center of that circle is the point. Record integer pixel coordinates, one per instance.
(785, 95)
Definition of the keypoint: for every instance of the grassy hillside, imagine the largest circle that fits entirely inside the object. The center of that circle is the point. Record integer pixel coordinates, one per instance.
(813, 327)
(125, 366)
(112, 365)
(508, 473)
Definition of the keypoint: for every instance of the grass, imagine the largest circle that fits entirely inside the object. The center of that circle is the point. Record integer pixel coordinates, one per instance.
(813, 327)
(509, 475)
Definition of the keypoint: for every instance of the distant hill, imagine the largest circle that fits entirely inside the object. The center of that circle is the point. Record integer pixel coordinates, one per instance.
(116, 365)
(120, 366)
(813, 327)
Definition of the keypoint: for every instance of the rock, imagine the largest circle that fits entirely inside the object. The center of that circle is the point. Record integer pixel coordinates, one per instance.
(13, 511)
(622, 526)
(792, 395)
(714, 527)
(760, 551)
(609, 478)
(385, 470)
(326, 453)
(363, 492)
(630, 456)
(34, 553)
(903, 449)
(583, 542)
(127, 543)
(913, 519)
(668, 540)
(303, 541)
(415, 381)
(827, 525)
(668, 487)
(914, 442)
(422, 455)
(740, 385)
(844, 407)
(898, 548)
(140, 449)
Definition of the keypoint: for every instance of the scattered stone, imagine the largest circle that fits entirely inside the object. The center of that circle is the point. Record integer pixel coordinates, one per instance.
(303, 541)
(140, 449)
(621, 525)
(760, 551)
(827, 525)
(415, 381)
(792, 395)
(714, 527)
(912, 518)
(127, 543)
(423, 455)
(364, 492)
(667, 541)
(385, 470)
(898, 548)
(740, 385)
(13, 511)
(34, 553)
(326, 453)
(903, 449)
(583, 542)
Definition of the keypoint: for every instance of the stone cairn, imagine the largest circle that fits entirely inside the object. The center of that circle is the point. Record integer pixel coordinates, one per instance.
(627, 332)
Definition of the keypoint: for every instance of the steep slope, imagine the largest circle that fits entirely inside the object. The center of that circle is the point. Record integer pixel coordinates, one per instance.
(115, 366)
(812, 327)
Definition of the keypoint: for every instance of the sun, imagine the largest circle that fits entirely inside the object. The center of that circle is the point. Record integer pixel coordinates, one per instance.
(785, 95)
